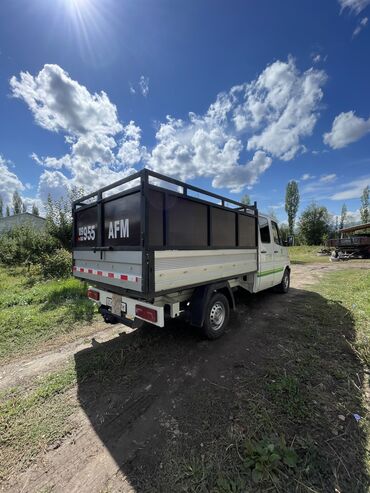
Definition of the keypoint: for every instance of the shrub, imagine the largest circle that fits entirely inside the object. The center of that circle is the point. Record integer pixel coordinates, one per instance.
(24, 245)
(57, 264)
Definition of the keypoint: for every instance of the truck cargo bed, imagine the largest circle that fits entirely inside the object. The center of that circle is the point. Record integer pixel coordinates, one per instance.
(157, 235)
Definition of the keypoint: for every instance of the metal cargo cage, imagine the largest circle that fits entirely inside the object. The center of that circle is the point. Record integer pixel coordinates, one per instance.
(120, 230)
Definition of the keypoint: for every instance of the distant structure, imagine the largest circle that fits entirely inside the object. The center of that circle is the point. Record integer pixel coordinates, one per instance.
(23, 219)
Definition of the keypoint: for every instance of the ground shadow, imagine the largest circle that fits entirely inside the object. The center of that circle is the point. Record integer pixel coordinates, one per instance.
(178, 413)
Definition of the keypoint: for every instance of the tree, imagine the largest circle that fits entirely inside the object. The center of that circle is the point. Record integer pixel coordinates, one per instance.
(291, 203)
(59, 217)
(364, 210)
(17, 203)
(284, 231)
(24, 207)
(35, 210)
(343, 216)
(314, 224)
(246, 200)
(7, 211)
(1, 206)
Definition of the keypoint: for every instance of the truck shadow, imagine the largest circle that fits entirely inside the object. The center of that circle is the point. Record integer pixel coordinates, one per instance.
(178, 413)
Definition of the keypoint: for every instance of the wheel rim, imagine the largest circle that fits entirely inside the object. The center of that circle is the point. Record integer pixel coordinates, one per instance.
(286, 281)
(217, 315)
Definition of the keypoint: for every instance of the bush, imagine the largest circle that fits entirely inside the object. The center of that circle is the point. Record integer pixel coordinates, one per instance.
(26, 246)
(57, 264)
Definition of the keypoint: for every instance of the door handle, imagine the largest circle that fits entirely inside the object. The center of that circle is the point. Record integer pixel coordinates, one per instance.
(263, 251)
(276, 251)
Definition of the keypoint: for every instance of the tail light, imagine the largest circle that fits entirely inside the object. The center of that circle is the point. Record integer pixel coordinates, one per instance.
(146, 313)
(93, 295)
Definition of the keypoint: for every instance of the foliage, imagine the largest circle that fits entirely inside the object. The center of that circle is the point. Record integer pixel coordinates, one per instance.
(1, 206)
(266, 460)
(314, 223)
(35, 210)
(59, 217)
(343, 216)
(23, 245)
(17, 203)
(246, 200)
(56, 264)
(284, 231)
(7, 211)
(291, 203)
(364, 210)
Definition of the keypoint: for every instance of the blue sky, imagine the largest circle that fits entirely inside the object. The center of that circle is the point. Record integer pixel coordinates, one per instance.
(238, 96)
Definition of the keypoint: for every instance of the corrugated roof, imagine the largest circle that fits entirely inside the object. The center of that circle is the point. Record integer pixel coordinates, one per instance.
(359, 227)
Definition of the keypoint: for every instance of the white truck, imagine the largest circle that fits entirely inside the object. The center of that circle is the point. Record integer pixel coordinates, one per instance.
(153, 248)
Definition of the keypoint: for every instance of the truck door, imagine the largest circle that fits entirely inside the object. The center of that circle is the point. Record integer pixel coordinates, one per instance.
(266, 263)
(279, 254)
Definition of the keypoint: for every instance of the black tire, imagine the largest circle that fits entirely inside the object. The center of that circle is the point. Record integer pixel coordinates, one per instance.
(283, 287)
(216, 316)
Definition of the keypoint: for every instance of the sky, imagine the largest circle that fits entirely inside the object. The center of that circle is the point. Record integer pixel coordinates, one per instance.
(232, 96)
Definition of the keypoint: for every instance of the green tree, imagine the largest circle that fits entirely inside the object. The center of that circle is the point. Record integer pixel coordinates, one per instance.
(1, 206)
(17, 203)
(246, 200)
(314, 224)
(24, 207)
(35, 210)
(364, 210)
(7, 211)
(343, 216)
(59, 217)
(284, 231)
(291, 203)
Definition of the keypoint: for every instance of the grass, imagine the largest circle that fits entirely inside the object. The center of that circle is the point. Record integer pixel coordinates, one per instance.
(286, 425)
(31, 420)
(33, 311)
(306, 254)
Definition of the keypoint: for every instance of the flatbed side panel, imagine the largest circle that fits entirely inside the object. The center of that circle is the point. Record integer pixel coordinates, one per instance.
(177, 268)
(117, 268)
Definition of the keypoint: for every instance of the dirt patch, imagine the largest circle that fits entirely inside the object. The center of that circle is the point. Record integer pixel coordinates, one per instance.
(164, 410)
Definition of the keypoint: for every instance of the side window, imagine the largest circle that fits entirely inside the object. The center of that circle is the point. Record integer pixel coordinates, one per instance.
(264, 230)
(276, 233)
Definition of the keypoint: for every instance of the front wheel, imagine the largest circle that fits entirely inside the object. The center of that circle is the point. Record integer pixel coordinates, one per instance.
(216, 317)
(283, 287)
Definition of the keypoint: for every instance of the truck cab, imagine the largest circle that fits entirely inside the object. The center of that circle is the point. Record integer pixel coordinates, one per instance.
(273, 254)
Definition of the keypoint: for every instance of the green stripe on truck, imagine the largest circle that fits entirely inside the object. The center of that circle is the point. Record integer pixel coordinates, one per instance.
(269, 272)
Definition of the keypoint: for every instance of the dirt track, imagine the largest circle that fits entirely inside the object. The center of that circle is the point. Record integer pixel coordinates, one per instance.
(122, 424)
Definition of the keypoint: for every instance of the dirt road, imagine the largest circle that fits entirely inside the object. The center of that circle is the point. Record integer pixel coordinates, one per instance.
(164, 393)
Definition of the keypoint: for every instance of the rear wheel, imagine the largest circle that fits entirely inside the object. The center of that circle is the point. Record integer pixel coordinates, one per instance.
(216, 317)
(283, 287)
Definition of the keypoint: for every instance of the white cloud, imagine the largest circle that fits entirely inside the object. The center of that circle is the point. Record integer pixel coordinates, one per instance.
(132, 89)
(144, 85)
(90, 125)
(236, 177)
(232, 143)
(272, 114)
(346, 128)
(361, 25)
(131, 151)
(351, 190)
(328, 178)
(356, 6)
(307, 176)
(287, 102)
(59, 103)
(9, 182)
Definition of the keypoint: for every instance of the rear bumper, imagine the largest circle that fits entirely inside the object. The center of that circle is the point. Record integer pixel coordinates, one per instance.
(124, 310)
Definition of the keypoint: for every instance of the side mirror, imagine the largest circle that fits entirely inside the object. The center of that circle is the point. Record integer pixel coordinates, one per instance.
(289, 241)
